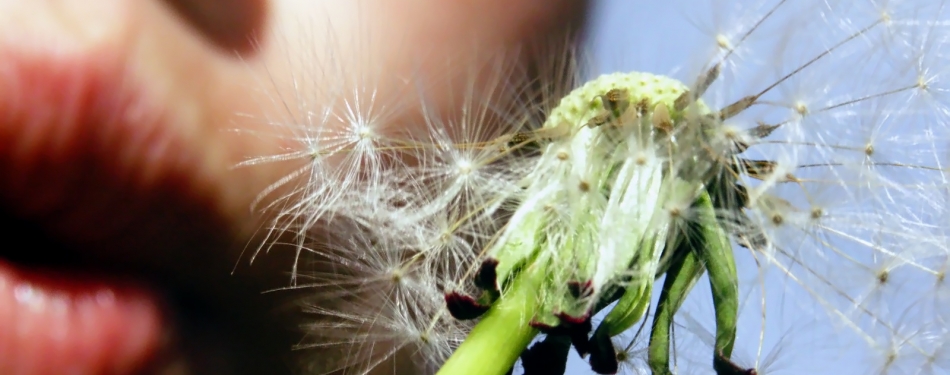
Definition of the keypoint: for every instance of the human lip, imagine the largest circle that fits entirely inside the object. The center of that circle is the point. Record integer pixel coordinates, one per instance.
(89, 160)
(57, 323)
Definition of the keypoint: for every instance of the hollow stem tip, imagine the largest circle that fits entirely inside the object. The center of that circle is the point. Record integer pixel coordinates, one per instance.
(502, 334)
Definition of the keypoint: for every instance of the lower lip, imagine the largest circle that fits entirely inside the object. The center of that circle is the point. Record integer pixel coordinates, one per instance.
(61, 323)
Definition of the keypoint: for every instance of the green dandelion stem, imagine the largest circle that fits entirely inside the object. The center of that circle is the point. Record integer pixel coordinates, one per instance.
(495, 343)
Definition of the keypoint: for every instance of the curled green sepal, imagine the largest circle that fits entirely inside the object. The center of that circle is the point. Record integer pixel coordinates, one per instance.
(685, 269)
(629, 309)
(633, 304)
(723, 278)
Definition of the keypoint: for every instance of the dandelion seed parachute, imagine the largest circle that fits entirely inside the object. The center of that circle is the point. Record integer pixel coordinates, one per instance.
(824, 156)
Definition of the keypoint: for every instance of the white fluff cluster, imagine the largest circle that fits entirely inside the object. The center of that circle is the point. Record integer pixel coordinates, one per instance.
(821, 131)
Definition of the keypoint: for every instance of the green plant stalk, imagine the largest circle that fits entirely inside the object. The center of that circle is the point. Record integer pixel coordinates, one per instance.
(498, 339)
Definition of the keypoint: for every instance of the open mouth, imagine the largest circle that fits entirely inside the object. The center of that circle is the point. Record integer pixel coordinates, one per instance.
(116, 256)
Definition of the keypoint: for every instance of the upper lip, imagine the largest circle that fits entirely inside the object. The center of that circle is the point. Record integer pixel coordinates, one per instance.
(95, 176)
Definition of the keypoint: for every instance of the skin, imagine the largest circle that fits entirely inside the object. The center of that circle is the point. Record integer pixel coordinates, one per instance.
(116, 160)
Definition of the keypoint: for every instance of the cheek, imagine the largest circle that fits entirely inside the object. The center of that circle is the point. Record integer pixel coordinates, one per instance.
(496, 23)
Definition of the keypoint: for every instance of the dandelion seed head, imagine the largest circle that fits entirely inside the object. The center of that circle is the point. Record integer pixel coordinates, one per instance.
(801, 108)
(464, 167)
(723, 42)
(817, 213)
(364, 131)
